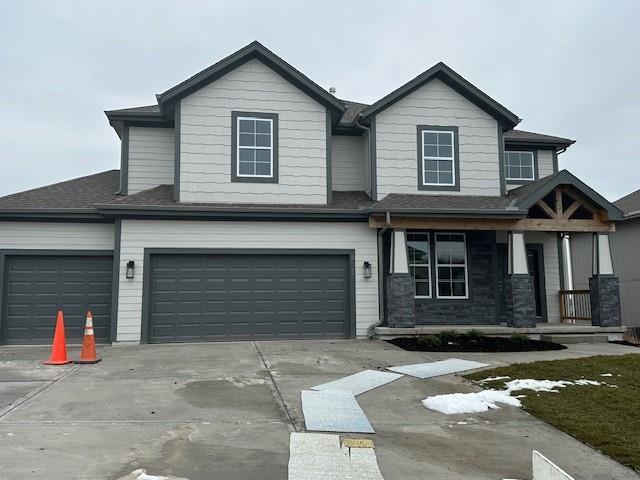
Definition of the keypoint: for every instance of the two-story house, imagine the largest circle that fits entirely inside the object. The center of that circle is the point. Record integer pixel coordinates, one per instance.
(252, 203)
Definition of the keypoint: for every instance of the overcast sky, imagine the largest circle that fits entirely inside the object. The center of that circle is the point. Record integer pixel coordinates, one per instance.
(567, 68)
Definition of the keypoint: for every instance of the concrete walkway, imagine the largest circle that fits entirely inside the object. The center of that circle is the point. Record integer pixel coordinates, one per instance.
(226, 410)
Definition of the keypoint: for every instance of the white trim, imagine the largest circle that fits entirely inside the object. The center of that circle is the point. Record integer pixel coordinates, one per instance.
(428, 265)
(238, 147)
(466, 267)
(452, 158)
(533, 166)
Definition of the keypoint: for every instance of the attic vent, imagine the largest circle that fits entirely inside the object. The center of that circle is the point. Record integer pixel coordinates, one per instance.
(332, 90)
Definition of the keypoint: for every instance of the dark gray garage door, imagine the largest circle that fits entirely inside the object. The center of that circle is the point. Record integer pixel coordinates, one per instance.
(36, 287)
(223, 297)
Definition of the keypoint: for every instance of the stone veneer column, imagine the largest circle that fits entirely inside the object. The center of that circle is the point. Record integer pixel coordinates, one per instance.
(400, 309)
(520, 288)
(604, 285)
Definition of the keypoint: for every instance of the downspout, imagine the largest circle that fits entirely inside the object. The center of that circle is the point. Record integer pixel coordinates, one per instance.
(371, 330)
(368, 130)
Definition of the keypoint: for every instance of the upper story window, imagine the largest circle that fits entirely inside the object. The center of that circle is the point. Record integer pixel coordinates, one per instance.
(254, 151)
(438, 167)
(519, 166)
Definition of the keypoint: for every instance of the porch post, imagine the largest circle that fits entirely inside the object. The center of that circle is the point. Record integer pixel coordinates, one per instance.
(400, 309)
(521, 306)
(603, 285)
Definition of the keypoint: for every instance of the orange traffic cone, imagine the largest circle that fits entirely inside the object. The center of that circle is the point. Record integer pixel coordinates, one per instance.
(88, 352)
(59, 347)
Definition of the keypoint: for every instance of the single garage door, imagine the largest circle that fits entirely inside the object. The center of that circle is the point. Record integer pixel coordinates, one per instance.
(36, 287)
(242, 296)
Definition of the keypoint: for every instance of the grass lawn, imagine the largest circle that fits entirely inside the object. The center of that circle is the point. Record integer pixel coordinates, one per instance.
(603, 417)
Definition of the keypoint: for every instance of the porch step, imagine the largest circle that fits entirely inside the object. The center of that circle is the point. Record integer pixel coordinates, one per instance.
(571, 339)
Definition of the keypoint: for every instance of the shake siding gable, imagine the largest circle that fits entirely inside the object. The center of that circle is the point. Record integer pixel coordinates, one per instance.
(151, 158)
(205, 139)
(436, 104)
(140, 234)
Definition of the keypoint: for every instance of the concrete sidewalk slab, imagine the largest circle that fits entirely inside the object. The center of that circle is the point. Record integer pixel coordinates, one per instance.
(437, 369)
(333, 411)
(360, 382)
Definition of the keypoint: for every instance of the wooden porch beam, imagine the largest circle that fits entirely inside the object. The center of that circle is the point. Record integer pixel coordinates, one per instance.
(558, 203)
(526, 224)
(571, 210)
(543, 205)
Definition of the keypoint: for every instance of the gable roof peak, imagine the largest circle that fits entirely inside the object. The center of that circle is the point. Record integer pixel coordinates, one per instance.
(253, 50)
(454, 80)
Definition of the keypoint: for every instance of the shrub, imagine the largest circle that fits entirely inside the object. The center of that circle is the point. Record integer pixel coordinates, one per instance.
(430, 341)
(448, 336)
(474, 335)
(519, 338)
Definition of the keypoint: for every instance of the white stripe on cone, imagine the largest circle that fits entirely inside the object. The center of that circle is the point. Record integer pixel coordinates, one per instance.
(88, 329)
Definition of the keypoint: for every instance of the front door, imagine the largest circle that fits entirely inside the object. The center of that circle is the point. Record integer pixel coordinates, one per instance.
(535, 258)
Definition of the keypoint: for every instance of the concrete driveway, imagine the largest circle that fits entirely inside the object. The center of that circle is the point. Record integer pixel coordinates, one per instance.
(225, 410)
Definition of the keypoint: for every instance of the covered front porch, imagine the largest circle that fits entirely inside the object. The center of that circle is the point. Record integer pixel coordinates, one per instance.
(503, 271)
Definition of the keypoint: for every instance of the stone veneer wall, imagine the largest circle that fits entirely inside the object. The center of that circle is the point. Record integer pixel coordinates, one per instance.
(605, 301)
(480, 307)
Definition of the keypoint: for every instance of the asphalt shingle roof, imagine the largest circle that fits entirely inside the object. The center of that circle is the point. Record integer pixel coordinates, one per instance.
(413, 202)
(629, 203)
(162, 196)
(523, 136)
(76, 194)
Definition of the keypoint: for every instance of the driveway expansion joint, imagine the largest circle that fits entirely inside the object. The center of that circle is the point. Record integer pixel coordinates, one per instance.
(275, 388)
(35, 392)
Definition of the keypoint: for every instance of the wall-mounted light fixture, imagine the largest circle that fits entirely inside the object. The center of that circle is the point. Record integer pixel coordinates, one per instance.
(366, 268)
(131, 265)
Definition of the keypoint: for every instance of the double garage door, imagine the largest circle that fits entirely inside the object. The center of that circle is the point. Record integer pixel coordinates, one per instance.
(207, 297)
(35, 287)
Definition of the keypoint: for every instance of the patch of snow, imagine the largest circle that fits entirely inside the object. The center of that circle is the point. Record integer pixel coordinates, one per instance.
(606, 374)
(141, 474)
(470, 402)
(494, 379)
(486, 400)
(545, 385)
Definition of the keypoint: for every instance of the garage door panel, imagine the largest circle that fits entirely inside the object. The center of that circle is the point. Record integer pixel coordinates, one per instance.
(237, 296)
(37, 286)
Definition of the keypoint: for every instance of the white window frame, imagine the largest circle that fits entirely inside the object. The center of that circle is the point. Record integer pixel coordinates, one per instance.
(452, 158)
(239, 147)
(533, 166)
(428, 265)
(466, 266)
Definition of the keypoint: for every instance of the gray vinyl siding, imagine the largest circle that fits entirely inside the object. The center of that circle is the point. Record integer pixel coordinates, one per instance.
(205, 139)
(140, 234)
(625, 252)
(581, 247)
(151, 158)
(348, 163)
(551, 269)
(436, 104)
(545, 163)
(56, 236)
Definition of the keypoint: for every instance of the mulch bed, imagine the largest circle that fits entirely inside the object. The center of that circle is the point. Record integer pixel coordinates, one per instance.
(477, 344)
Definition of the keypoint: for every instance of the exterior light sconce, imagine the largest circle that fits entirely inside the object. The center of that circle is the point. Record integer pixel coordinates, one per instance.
(130, 269)
(366, 268)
